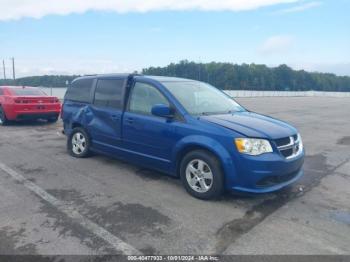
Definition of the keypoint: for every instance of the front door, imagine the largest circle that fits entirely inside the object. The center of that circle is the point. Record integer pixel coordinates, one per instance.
(150, 137)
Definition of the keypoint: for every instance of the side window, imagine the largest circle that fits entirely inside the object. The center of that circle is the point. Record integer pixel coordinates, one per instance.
(80, 90)
(109, 93)
(144, 97)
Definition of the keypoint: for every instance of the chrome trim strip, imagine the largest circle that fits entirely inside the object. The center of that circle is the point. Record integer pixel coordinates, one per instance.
(293, 144)
(290, 145)
(285, 147)
(295, 154)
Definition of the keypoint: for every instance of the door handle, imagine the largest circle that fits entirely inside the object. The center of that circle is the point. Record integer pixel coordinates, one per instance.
(115, 117)
(130, 120)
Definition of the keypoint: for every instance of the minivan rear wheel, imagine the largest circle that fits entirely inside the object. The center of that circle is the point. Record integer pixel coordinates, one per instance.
(79, 143)
(201, 175)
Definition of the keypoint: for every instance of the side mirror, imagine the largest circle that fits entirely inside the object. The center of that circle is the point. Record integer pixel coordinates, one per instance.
(162, 111)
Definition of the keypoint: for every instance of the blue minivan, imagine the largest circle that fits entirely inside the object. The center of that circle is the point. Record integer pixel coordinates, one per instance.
(184, 128)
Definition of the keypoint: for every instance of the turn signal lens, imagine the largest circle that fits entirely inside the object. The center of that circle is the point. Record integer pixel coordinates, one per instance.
(240, 144)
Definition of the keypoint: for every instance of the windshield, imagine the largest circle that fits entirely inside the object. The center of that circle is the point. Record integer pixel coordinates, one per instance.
(202, 99)
(27, 92)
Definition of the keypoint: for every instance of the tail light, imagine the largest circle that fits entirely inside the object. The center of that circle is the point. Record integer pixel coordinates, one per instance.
(55, 100)
(21, 101)
(8, 99)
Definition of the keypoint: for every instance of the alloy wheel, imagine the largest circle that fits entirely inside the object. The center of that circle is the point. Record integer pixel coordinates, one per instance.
(199, 176)
(78, 143)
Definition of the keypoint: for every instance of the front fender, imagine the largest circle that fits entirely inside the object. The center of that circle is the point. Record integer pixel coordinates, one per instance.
(209, 144)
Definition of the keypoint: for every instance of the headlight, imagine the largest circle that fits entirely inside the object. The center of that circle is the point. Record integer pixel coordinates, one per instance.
(252, 146)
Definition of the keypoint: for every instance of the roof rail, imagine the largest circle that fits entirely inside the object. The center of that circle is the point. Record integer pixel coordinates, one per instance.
(135, 74)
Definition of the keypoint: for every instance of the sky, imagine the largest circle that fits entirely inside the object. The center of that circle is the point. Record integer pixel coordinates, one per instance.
(110, 36)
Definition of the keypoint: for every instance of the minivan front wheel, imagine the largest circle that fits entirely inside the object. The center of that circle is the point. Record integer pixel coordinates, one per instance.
(201, 175)
(79, 143)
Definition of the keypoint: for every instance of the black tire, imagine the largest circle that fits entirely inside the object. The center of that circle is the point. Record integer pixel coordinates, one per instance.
(84, 153)
(217, 185)
(3, 119)
(53, 119)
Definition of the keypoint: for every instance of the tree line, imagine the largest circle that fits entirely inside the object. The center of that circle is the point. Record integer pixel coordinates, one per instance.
(229, 76)
(46, 80)
(226, 76)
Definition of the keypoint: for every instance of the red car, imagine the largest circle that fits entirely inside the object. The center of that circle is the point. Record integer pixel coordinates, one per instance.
(27, 103)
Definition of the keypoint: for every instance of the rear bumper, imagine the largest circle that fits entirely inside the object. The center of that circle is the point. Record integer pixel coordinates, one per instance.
(36, 115)
(22, 112)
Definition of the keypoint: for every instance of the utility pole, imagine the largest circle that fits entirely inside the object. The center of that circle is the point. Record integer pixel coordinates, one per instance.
(13, 68)
(3, 66)
(199, 69)
(199, 72)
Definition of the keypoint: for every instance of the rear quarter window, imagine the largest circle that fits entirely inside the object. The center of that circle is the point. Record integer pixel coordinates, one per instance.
(109, 93)
(80, 90)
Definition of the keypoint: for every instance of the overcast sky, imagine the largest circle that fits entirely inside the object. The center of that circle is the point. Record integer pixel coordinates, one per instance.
(90, 36)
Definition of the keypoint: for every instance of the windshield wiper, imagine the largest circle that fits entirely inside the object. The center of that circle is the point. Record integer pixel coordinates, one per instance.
(206, 113)
(214, 113)
(219, 113)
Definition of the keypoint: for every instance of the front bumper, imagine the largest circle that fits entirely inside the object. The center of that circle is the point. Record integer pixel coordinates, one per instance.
(266, 173)
(272, 188)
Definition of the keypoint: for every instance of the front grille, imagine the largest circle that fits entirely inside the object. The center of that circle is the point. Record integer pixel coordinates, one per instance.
(290, 146)
(282, 141)
(287, 153)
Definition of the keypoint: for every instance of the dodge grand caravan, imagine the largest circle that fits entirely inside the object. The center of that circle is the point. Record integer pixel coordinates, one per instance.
(184, 128)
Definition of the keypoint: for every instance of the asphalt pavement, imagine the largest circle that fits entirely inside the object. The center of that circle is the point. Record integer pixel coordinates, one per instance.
(52, 203)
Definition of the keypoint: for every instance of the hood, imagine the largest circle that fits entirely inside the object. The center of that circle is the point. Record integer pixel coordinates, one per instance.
(252, 125)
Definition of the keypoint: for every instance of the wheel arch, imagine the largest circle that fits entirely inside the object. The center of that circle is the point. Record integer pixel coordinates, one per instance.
(3, 110)
(68, 129)
(76, 124)
(188, 148)
(80, 125)
(206, 144)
